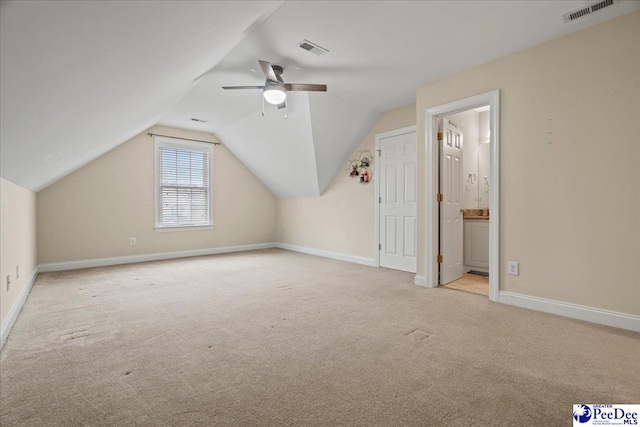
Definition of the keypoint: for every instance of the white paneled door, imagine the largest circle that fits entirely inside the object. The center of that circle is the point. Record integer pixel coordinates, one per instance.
(451, 222)
(397, 190)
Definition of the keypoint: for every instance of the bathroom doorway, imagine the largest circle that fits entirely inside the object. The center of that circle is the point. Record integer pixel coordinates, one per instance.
(462, 215)
(463, 143)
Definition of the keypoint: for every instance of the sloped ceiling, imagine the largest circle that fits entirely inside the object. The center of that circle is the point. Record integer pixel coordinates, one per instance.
(338, 127)
(279, 152)
(299, 156)
(79, 78)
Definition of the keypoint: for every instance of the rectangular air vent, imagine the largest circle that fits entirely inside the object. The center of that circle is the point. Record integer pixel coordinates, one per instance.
(595, 7)
(312, 47)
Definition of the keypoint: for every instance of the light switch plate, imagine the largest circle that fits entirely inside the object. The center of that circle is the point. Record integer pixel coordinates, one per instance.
(514, 268)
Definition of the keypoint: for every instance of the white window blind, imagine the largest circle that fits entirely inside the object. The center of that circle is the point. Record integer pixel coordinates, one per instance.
(183, 181)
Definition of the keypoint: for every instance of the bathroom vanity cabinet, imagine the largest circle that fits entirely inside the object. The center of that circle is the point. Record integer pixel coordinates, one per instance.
(476, 245)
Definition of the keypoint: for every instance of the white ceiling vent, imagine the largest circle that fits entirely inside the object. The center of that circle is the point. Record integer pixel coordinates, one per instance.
(312, 47)
(587, 10)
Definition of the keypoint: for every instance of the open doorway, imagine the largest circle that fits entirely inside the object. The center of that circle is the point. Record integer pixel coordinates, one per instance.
(463, 144)
(463, 195)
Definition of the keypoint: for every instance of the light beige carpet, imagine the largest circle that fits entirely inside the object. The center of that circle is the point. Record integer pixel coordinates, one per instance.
(276, 338)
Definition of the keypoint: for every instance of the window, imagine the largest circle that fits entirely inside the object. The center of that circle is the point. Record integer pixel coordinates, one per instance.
(183, 184)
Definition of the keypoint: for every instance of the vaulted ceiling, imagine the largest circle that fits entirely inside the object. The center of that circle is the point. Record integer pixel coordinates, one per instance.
(79, 78)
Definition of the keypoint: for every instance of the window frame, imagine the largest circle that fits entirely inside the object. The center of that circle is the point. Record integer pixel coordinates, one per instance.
(181, 144)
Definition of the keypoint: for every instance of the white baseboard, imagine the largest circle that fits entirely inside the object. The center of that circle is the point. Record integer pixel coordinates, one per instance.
(574, 311)
(589, 314)
(328, 254)
(420, 280)
(15, 310)
(102, 262)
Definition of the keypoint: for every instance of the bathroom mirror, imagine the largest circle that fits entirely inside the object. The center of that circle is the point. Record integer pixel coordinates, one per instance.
(475, 156)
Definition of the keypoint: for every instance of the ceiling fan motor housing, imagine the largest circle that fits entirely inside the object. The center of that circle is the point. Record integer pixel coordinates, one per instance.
(275, 90)
(278, 70)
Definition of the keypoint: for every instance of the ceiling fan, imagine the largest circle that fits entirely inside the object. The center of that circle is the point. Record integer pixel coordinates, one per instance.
(275, 89)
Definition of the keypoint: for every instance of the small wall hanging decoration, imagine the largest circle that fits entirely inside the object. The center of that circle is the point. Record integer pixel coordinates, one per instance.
(360, 166)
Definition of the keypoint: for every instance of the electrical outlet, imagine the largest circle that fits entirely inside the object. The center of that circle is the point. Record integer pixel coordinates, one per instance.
(17, 271)
(8, 282)
(132, 241)
(514, 268)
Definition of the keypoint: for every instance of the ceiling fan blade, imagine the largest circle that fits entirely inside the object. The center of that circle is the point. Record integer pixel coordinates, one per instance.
(305, 87)
(242, 87)
(267, 69)
(283, 105)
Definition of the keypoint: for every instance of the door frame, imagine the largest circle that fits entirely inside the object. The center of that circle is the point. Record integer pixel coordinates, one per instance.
(432, 175)
(376, 201)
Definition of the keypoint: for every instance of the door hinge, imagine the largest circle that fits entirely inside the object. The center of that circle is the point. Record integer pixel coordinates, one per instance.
(379, 199)
(379, 153)
(379, 246)
(440, 198)
(439, 136)
(439, 259)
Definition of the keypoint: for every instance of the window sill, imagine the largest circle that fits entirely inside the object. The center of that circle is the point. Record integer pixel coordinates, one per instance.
(163, 229)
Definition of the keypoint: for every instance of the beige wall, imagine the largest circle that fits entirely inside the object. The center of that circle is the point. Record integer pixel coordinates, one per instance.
(341, 220)
(17, 242)
(93, 212)
(570, 163)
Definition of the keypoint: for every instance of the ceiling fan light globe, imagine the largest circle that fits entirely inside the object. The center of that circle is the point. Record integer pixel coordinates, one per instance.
(274, 94)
